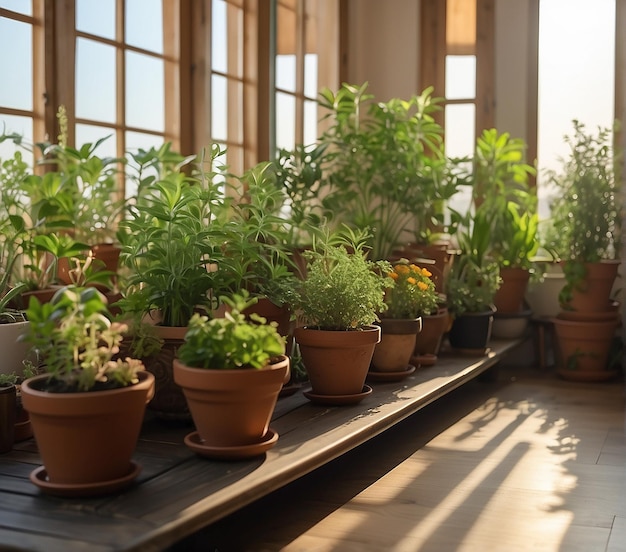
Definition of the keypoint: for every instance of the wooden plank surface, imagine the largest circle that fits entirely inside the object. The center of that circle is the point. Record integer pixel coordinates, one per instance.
(178, 492)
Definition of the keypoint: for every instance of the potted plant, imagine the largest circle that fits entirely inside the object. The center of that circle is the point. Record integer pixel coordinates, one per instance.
(585, 213)
(86, 410)
(410, 295)
(385, 168)
(339, 301)
(472, 286)
(8, 407)
(231, 370)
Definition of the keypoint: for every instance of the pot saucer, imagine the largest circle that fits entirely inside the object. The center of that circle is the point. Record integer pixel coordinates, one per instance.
(334, 400)
(374, 375)
(238, 452)
(39, 477)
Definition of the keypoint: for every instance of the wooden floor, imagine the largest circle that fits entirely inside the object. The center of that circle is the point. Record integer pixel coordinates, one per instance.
(527, 462)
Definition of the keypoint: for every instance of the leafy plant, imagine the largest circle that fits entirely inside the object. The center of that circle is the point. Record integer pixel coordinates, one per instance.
(77, 343)
(171, 242)
(475, 277)
(385, 168)
(232, 342)
(342, 289)
(585, 210)
(412, 293)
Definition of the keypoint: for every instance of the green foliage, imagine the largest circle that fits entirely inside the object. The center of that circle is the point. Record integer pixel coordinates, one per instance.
(385, 170)
(475, 277)
(231, 342)
(77, 343)
(501, 189)
(342, 289)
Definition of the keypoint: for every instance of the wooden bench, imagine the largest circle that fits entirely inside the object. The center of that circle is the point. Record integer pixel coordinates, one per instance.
(178, 492)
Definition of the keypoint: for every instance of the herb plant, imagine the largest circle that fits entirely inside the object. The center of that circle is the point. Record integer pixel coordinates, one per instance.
(232, 342)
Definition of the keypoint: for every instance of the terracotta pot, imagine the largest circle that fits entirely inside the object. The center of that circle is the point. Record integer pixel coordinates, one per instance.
(595, 291)
(583, 349)
(273, 313)
(169, 400)
(509, 298)
(337, 362)
(86, 438)
(7, 417)
(471, 332)
(434, 326)
(232, 408)
(397, 343)
(108, 253)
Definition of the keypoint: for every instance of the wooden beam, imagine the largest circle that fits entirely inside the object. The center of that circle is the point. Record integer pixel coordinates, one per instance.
(485, 65)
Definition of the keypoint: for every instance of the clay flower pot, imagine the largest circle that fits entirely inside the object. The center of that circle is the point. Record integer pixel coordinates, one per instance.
(397, 343)
(86, 439)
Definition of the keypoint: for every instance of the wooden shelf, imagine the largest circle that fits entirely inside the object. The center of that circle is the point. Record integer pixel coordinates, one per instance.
(178, 492)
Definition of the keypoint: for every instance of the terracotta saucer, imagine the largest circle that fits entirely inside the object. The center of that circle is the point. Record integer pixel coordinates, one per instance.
(39, 477)
(239, 452)
(374, 375)
(336, 400)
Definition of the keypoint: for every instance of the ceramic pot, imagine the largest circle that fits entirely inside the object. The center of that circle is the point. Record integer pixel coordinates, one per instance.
(337, 362)
(593, 295)
(470, 333)
(434, 327)
(543, 296)
(232, 408)
(7, 417)
(86, 438)
(509, 298)
(510, 325)
(14, 351)
(169, 401)
(583, 349)
(397, 343)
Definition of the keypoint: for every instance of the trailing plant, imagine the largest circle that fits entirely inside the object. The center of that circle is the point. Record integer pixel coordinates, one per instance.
(342, 290)
(77, 343)
(232, 342)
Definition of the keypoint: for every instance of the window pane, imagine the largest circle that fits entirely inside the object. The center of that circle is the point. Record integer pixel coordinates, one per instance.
(218, 37)
(460, 77)
(219, 108)
(576, 76)
(134, 142)
(285, 121)
(310, 75)
(90, 134)
(10, 124)
(16, 66)
(460, 142)
(95, 81)
(96, 18)
(145, 92)
(144, 24)
(310, 122)
(20, 6)
(286, 73)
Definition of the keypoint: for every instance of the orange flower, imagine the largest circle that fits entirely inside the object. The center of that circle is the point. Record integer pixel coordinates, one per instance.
(426, 272)
(412, 280)
(401, 269)
(423, 286)
(393, 275)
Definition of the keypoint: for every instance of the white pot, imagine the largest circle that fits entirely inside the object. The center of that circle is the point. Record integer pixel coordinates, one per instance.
(14, 352)
(543, 296)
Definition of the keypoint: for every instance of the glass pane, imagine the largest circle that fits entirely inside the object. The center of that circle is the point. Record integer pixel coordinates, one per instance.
(460, 77)
(310, 75)
(576, 76)
(218, 37)
(286, 73)
(144, 24)
(95, 81)
(16, 64)
(285, 121)
(23, 126)
(96, 18)
(20, 6)
(310, 122)
(90, 134)
(145, 95)
(460, 142)
(219, 108)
